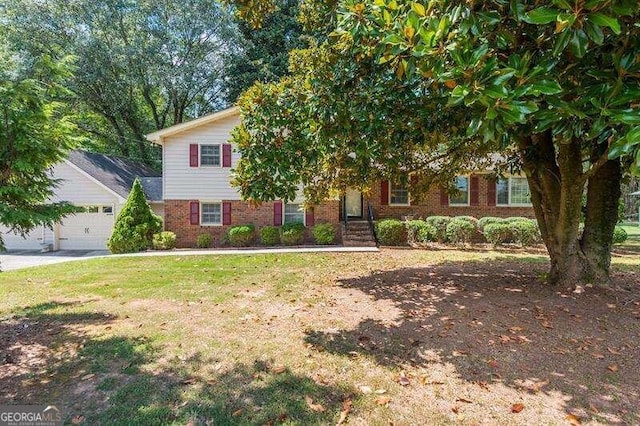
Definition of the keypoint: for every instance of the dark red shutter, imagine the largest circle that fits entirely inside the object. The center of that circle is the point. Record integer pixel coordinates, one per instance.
(194, 213)
(226, 213)
(491, 192)
(444, 196)
(277, 213)
(474, 191)
(309, 219)
(384, 192)
(226, 155)
(193, 155)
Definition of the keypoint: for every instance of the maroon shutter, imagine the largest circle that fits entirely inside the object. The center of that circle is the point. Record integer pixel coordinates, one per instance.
(226, 155)
(384, 192)
(193, 155)
(474, 191)
(491, 192)
(277, 213)
(309, 219)
(226, 213)
(444, 196)
(194, 213)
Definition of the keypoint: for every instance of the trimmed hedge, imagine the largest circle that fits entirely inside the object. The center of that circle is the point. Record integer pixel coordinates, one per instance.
(440, 225)
(419, 231)
(165, 240)
(484, 221)
(324, 233)
(498, 233)
(525, 232)
(241, 235)
(460, 230)
(391, 232)
(514, 219)
(619, 235)
(292, 234)
(204, 241)
(270, 235)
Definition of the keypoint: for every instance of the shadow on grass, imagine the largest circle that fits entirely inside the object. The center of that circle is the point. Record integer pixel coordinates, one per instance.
(54, 354)
(496, 322)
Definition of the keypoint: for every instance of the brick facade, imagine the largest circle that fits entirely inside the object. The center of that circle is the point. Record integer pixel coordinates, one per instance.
(176, 219)
(431, 205)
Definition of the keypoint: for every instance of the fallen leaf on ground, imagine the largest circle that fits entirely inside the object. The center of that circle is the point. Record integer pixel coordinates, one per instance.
(455, 409)
(278, 369)
(573, 419)
(346, 409)
(613, 367)
(383, 400)
(76, 420)
(516, 408)
(404, 381)
(466, 401)
(236, 413)
(546, 324)
(613, 351)
(365, 389)
(381, 391)
(318, 408)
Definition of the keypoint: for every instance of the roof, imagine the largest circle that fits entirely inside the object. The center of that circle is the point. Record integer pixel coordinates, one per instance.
(118, 174)
(182, 127)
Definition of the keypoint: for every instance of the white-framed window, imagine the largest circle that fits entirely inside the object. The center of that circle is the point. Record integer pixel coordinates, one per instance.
(398, 194)
(461, 197)
(211, 155)
(513, 191)
(211, 214)
(293, 213)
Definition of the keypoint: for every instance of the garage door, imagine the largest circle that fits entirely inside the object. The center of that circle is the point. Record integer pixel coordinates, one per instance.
(32, 241)
(87, 231)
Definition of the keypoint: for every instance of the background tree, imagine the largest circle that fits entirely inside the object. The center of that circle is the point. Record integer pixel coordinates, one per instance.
(34, 135)
(553, 87)
(142, 65)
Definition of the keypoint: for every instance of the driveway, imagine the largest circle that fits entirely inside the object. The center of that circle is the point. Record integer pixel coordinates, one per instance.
(18, 259)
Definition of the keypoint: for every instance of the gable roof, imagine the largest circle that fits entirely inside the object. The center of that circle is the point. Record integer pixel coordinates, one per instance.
(156, 137)
(118, 174)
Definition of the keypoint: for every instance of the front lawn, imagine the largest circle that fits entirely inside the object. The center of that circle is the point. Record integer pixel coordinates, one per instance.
(403, 336)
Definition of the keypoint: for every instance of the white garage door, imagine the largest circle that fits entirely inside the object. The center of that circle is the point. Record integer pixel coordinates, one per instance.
(32, 241)
(87, 231)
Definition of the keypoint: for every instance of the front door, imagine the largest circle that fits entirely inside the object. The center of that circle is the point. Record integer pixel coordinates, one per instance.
(353, 203)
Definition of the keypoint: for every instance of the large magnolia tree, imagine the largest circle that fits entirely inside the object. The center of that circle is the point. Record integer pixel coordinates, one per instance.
(425, 88)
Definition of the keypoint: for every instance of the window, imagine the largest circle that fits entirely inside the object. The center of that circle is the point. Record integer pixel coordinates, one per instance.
(293, 213)
(461, 197)
(398, 194)
(211, 214)
(107, 209)
(513, 191)
(210, 155)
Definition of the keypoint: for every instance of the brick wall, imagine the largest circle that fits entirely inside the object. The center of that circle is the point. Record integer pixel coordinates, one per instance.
(176, 219)
(431, 205)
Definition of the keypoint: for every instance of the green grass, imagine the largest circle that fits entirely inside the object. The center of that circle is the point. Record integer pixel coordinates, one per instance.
(633, 240)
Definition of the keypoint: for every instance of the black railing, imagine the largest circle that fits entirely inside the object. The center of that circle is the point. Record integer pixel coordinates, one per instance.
(345, 216)
(370, 219)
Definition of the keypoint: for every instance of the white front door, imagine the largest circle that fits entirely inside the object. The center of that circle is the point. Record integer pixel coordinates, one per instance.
(353, 203)
(87, 231)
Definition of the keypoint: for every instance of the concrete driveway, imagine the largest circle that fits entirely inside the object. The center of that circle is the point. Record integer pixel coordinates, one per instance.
(18, 259)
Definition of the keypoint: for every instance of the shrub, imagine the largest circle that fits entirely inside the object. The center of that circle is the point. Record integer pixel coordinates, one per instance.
(525, 232)
(419, 231)
(165, 240)
(292, 234)
(204, 241)
(324, 233)
(484, 221)
(498, 233)
(241, 235)
(619, 235)
(514, 219)
(440, 225)
(469, 219)
(270, 235)
(460, 230)
(391, 232)
(135, 224)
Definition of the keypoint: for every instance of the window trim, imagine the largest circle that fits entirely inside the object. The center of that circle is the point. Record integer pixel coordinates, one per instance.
(509, 203)
(200, 145)
(202, 223)
(408, 203)
(304, 212)
(468, 202)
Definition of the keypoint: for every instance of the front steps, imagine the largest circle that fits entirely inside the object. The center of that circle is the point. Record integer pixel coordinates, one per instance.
(357, 234)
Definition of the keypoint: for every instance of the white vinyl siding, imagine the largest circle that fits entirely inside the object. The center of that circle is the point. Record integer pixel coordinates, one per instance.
(513, 191)
(76, 188)
(461, 197)
(182, 182)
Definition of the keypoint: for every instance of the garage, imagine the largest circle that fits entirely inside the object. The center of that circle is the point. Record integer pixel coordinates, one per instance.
(34, 240)
(89, 230)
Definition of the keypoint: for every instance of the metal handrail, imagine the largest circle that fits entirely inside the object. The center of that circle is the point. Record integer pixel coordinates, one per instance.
(345, 217)
(370, 219)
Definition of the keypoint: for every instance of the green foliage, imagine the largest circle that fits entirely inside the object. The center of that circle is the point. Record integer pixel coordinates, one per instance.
(324, 233)
(515, 219)
(484, 221)
(440, 224)
(270, 235)
(292, 234)
(204, 241)
(498, 233)
(34, 135)
(135, 224)
(525, 232)
(241, 235)
(419, 231)
(619, 235)
(165, 240)
(391, 232)
(461, 230)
